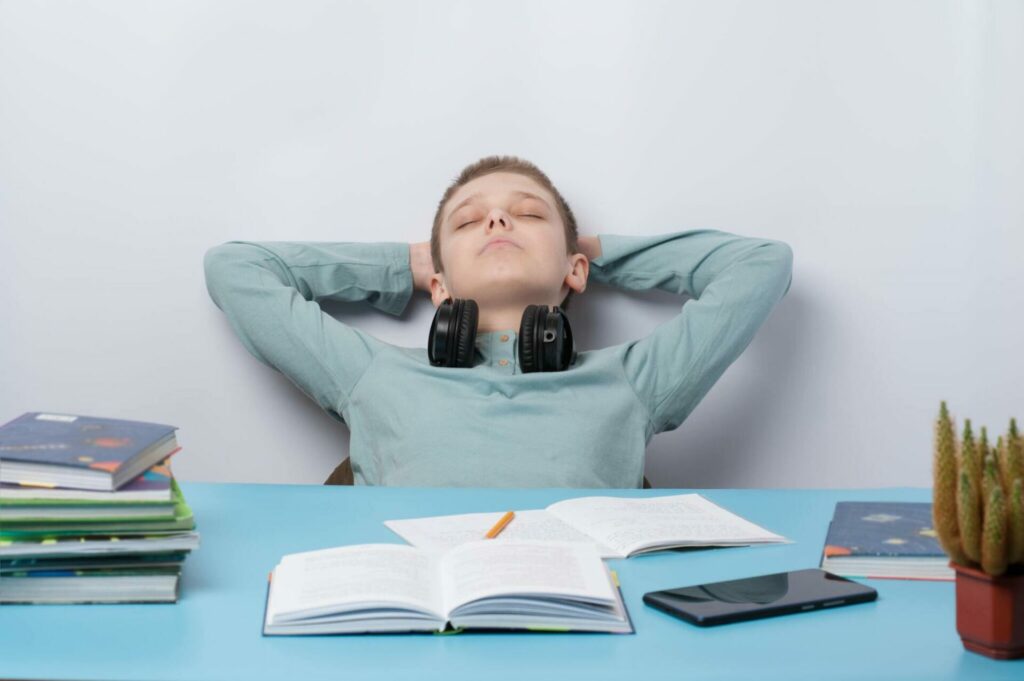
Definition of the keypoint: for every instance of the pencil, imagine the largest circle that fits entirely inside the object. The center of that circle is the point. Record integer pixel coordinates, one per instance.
(500, 525)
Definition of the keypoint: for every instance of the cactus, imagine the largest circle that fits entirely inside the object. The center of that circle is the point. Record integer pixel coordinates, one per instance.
(1015, 550)
(969, 516)
(990, 477)
(993, 539)
(978, 496)
(1001, 456)
(944, 492)
(983, 447)
(1011, 457)
(1018, 440)
(970, 459)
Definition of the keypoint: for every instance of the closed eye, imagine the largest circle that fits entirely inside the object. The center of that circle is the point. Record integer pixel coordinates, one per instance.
(537, 217)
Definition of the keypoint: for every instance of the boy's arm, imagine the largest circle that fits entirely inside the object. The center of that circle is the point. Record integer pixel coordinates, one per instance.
(270, 292)
(735, 282)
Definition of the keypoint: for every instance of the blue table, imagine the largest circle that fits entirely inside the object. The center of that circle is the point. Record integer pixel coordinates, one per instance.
(213, 632)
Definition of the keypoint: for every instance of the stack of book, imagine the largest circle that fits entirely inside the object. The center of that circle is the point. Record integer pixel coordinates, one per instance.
(90, 512)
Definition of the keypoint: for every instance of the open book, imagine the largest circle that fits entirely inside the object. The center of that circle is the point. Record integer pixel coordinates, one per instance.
(487, 584)
(617, 527)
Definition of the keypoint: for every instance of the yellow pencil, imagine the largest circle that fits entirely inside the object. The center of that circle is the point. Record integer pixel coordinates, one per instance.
(500, 525)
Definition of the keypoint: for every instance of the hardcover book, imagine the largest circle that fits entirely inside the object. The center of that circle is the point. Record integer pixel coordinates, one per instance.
(377, 588)
(181, 519)
(884, 540)
(152, 487)
(124, 585)
(29, 565)
(617, 527)
(61, 450)
(100, 545)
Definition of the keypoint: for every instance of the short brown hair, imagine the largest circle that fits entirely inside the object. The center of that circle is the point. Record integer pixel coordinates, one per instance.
(507, 164)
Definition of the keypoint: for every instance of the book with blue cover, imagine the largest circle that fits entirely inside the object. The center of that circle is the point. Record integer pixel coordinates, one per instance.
(82, 452)
(167, 559)
(884, 540)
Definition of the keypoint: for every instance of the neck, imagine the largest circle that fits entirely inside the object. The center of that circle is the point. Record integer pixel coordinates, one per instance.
(500, 318)
(505, 313)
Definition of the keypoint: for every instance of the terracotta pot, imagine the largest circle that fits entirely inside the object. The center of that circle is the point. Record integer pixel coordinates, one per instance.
(990, 612)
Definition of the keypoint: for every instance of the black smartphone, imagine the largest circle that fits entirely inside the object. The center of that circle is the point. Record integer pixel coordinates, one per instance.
(781, 593)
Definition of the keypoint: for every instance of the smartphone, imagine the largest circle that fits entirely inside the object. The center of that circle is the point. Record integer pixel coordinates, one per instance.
(781, 593)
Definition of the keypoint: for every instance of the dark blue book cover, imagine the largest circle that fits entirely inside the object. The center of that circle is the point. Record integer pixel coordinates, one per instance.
(78, 441)
(883, 528)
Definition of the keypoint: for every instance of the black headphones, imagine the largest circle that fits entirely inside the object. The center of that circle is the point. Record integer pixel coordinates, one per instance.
(545, 338)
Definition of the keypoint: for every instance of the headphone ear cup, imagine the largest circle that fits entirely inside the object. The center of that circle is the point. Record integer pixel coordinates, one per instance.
(566, 351)
(528, 346)
(465, 333)
(439, 340)
(568, 357)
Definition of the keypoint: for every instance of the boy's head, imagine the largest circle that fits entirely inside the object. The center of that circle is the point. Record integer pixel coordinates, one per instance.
(504, 236)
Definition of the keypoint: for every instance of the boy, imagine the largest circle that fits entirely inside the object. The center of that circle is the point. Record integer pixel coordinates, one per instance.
(504, 237)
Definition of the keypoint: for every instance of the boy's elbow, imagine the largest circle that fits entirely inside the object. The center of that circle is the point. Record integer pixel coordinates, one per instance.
(783, 254)
(236, 268)
(222, 264)
(214, 257)
(221, 259)
(784, 263)
(215, 263)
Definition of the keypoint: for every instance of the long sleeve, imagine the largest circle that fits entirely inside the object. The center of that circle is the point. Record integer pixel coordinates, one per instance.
(270, 292)
(734, 282)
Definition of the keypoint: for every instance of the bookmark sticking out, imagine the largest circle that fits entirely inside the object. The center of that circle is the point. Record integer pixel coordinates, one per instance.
(449, 630)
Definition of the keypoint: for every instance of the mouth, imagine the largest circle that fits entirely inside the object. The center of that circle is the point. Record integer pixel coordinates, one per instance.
(497, 243)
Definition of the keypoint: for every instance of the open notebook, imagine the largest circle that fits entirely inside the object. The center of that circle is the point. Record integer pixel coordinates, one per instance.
(377, 588)
(617, 527)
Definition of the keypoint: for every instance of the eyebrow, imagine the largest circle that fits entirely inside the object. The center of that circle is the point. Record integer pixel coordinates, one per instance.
(515, 193)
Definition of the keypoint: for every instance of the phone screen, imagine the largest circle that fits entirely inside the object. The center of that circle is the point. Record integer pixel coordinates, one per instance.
(781, 593)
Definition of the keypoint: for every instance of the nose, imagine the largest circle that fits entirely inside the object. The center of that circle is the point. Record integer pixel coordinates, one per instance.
(498, 218)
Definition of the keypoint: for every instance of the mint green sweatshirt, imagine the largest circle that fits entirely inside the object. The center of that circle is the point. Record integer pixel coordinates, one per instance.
(414, 424)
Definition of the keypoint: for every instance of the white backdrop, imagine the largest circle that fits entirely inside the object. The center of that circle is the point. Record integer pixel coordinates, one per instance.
(881, 140)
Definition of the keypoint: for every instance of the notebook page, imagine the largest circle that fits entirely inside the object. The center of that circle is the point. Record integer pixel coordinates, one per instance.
(349, 577)
(489, 568)
(629, 525)
(443, 533)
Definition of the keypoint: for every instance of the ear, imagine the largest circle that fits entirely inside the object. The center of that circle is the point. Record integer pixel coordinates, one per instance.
(579, 270)
(438, 289)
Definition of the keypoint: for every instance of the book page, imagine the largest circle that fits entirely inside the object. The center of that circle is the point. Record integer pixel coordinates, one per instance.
(443, 533)
(351, 577)
(489, 568)
(629, 525)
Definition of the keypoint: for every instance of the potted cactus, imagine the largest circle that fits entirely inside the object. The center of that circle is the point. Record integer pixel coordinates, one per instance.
(978, 510)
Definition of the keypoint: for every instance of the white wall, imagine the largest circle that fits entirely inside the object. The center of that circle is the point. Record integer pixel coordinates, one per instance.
(881, 140)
